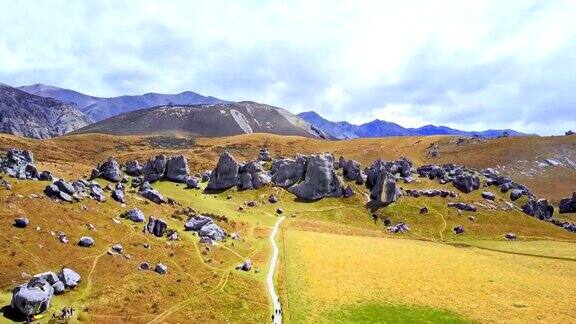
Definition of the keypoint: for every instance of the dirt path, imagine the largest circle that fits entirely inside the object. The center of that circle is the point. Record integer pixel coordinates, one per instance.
(270, 277)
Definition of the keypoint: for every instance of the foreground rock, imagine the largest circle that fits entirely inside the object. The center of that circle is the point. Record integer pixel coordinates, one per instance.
(287, 172)
(32, 298)
(320, 179)
(155, 168)
(150, 193)
(225, 175)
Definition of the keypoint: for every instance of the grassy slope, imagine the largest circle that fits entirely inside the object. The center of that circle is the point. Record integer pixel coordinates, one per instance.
(212, 291)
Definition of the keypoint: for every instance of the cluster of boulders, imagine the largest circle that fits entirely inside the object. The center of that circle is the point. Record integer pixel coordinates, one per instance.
(160, 268)
(568, 205)
(462, 178)
(431, 193)
(34, 297)
(79, 189)
(20, 164)
(381, 179)
(208, 231)
(308, 177)
(462, 206)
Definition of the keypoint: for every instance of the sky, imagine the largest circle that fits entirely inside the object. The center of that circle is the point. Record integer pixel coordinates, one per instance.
(471, 65)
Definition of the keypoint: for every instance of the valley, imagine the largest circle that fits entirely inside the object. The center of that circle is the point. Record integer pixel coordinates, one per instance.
(338, 260)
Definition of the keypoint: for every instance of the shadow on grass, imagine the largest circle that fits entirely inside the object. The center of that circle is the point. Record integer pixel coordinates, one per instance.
(9, 313)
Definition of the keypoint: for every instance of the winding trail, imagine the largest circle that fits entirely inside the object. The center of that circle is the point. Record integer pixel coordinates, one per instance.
(270, 278)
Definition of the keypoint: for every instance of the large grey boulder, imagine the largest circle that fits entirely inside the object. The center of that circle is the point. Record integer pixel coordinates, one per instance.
(155, 168)
(287, 172)
(133, 168)
(320, 179)
(69, 277)
(466, 182)
(225, 175)
(86, 241)
(568, 205)
(177, 169)
(97, 194)
(155, 226)
(539, 208)
(212, 231)
(21, 222)
(110, 170)
(161, 268)
(351, 170)
(32, 298)
(384, 190)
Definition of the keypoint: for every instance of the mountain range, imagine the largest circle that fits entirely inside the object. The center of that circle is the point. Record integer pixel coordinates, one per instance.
(44, 111)
(101, 108)
(28, 115)
(381, 128)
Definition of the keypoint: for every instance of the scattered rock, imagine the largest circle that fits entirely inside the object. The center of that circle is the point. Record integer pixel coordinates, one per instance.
(264, 155)
(86, 241)
(466, 182)
(272, 199)
(245, 266)
(488, 195)
(510, 236)
(459, 229)
(21, 222)
(118, 248)
(144, 265)
(463, 206)
(161, 268)
(155, 168)
(398, 228)
(110, 170)
(133, 168)
(424, 210)
(279, 211)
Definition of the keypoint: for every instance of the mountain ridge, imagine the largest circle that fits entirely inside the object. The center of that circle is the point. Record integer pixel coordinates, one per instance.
(100, 108)
(381, 128)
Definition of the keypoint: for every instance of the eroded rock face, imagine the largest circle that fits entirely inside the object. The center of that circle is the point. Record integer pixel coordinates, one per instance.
(320, 179)
(384, 190)
(155, 168)
(466, 182)
(32, 298)
(287, 172)
(264, 155)
(156, 226)
(110, 170)
(177, 169)
(225, 175)
(539, 208)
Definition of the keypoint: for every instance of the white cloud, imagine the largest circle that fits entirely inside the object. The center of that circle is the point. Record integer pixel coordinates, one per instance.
(466, 64)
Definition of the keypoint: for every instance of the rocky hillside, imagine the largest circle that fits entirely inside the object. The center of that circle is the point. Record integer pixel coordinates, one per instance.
(102, 108)
(29, 115)
(381, 128)
(206, 121)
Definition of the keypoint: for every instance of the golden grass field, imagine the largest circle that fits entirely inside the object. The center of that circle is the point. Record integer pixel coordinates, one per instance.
(337, 264)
